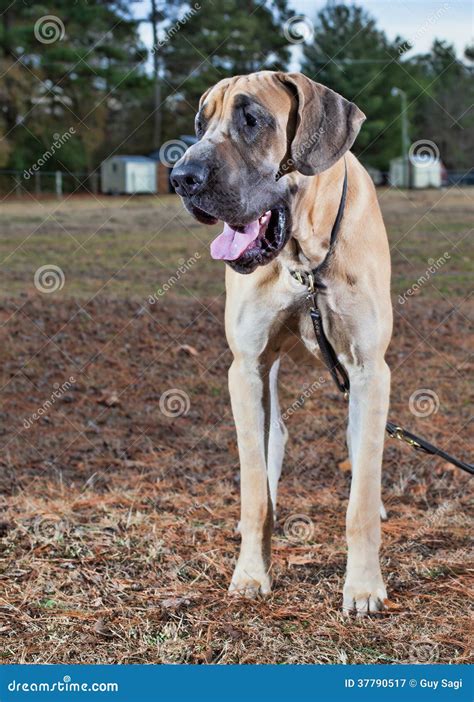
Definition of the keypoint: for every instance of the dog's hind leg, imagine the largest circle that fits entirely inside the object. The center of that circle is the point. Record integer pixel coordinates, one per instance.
(278, 436)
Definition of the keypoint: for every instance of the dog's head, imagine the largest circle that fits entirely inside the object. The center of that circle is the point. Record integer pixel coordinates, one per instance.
(254, 130)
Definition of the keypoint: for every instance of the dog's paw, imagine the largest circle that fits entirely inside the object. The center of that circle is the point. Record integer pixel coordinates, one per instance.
(364, 597)
(249, 581)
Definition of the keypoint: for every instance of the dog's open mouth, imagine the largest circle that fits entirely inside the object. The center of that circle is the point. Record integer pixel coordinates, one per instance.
(235, 240)
(246, 246)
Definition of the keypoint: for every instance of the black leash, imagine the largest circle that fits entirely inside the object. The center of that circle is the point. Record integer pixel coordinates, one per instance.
(339, 374)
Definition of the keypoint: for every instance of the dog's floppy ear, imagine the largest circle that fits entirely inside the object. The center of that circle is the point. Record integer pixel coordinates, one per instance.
(326, 124)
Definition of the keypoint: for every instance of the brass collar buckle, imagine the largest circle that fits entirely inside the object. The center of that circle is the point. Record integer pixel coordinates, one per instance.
(306, 279)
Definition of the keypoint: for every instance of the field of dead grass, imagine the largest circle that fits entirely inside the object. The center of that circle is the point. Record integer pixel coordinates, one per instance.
(117, 522)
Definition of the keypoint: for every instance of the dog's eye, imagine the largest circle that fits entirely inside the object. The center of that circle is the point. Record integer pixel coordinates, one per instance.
(250, 120)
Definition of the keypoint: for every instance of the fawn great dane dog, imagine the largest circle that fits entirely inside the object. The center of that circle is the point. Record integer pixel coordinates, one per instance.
(269, 162)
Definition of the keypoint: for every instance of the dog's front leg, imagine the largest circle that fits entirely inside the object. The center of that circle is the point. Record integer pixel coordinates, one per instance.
(364, 589)
(249, 391)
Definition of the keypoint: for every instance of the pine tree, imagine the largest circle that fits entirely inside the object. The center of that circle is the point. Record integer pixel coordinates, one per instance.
(223, 38)
(444, 113)
(352, 56)
(83, 64)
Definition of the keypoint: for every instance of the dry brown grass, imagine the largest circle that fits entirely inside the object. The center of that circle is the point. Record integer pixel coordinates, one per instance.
(118, 523)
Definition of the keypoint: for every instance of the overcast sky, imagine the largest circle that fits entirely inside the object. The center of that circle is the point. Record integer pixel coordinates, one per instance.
(418, 20)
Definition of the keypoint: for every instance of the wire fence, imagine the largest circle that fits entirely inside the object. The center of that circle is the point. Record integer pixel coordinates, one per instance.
(46, 183)
(15, 184)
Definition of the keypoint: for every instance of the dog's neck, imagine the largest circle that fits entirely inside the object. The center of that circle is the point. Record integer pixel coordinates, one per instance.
(314, 206)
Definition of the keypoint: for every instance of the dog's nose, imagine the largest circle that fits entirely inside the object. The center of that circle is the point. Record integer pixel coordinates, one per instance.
(189, 178)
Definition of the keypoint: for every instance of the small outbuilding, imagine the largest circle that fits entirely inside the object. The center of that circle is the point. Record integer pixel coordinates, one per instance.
(416, 172)
(128, 175)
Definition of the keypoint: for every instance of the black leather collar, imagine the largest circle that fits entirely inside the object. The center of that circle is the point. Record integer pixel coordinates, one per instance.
(311, 278)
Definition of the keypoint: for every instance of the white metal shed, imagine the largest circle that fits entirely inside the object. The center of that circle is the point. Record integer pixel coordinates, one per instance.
(128, 174)
(415, 172)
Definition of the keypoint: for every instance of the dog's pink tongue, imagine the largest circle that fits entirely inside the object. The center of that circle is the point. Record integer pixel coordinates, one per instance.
(231, 244)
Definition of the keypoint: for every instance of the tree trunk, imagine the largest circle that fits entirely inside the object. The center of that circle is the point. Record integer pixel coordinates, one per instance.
(156, 77)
